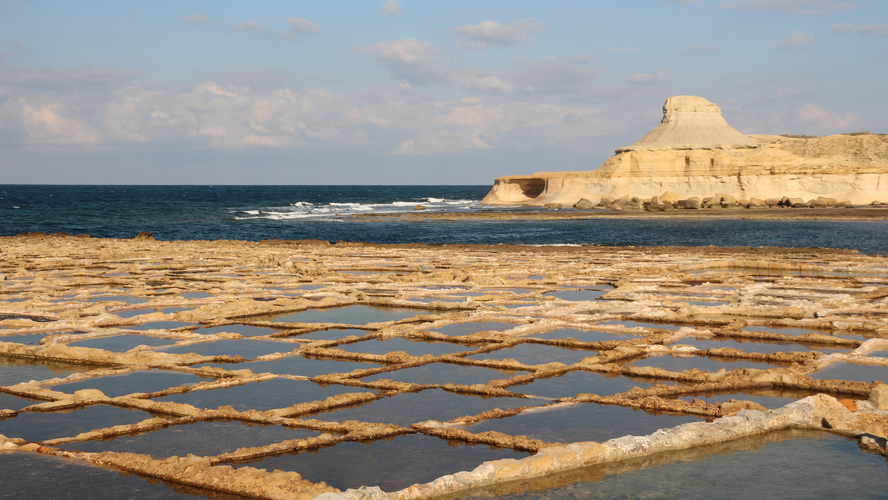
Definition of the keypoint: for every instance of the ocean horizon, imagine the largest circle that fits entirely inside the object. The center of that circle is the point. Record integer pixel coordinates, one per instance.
(325, 212)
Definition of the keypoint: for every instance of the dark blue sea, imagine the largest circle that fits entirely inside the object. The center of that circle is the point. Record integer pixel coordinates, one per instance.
(321, 212)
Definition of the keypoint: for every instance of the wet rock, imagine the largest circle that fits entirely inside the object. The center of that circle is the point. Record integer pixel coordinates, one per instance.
(657, 205)
(873, 444)
(362, 493)
(756, 203)
(584, 204)
(879, 396)
(692, 203)
(711, 202)
(727, 200)
(144, 235)
(732, 406)
(669, 197)
(822, 202)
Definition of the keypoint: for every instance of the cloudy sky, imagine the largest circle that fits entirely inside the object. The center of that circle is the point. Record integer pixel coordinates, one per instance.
(409, 91)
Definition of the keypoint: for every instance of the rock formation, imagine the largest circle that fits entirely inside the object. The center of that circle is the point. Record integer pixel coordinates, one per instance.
(693, 152)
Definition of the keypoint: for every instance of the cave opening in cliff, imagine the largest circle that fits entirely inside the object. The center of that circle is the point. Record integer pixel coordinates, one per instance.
(532, 188)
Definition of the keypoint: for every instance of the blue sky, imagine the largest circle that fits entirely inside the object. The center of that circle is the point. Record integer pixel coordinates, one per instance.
(410, 91)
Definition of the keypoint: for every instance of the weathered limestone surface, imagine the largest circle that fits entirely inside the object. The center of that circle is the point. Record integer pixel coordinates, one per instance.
(491, 302)
(694, 152)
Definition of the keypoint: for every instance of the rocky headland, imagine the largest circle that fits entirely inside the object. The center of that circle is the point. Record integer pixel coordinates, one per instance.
(695, 159)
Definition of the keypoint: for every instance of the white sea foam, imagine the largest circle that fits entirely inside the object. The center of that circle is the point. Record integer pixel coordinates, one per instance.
(307, 210)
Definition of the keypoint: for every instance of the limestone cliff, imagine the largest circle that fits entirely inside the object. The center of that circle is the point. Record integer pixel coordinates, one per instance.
(694, 152)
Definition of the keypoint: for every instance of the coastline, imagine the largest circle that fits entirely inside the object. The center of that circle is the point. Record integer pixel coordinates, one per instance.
(837, 214)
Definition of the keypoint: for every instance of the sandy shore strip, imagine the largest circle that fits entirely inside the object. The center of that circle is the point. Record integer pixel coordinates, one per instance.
(854, 213)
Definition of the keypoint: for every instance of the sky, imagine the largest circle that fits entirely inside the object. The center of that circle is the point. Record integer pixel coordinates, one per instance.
(409, 91)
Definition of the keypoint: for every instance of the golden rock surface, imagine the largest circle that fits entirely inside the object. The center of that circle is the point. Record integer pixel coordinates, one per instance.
(783, 317)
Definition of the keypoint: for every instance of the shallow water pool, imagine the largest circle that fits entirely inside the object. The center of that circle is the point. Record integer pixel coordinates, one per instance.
(537, 354)
(261, 396)
(25, 338)
(38, 426)
(134, 382)
(457, 329)
(159, 325)
(298, 365)
(17, 370)
(757, 346)
(245, 330)
(581, 422)
(122, 343)
(633, 324)
(769, 398)
(584, 335)
(409, 408)
(577, 295)
(416, 458)
(76, 480)
(351, 315)
(411, 347)
(332, 334)
(244, 347)
(206, 438)
(444, 373)
(788, 465)
(579, 381)
(10, 402)
(703, 363)
(851, 371)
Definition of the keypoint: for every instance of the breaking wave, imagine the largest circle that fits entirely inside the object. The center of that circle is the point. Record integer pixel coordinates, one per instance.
(308, 210)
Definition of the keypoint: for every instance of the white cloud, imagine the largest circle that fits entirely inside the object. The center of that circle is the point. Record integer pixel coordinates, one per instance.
(484, 35)
(473, 124)
(805, 7)
(813, 119)
(296, 25)
(301, 25)
(391, 7)
(474, 80)
(878, 30)
(97, 108)
(407, 51)
(253, 26)
(410, 59)
(566, 77)
(796, 40)
(622, 50)
(361, 137)
(414, 62)
(55, 123)
(220, 115)
(647, 78)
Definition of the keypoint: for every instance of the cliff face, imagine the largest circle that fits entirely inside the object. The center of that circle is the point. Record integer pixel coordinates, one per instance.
(694, 152)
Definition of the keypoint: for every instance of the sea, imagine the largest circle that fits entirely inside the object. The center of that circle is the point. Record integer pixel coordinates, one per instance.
(253, 213)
